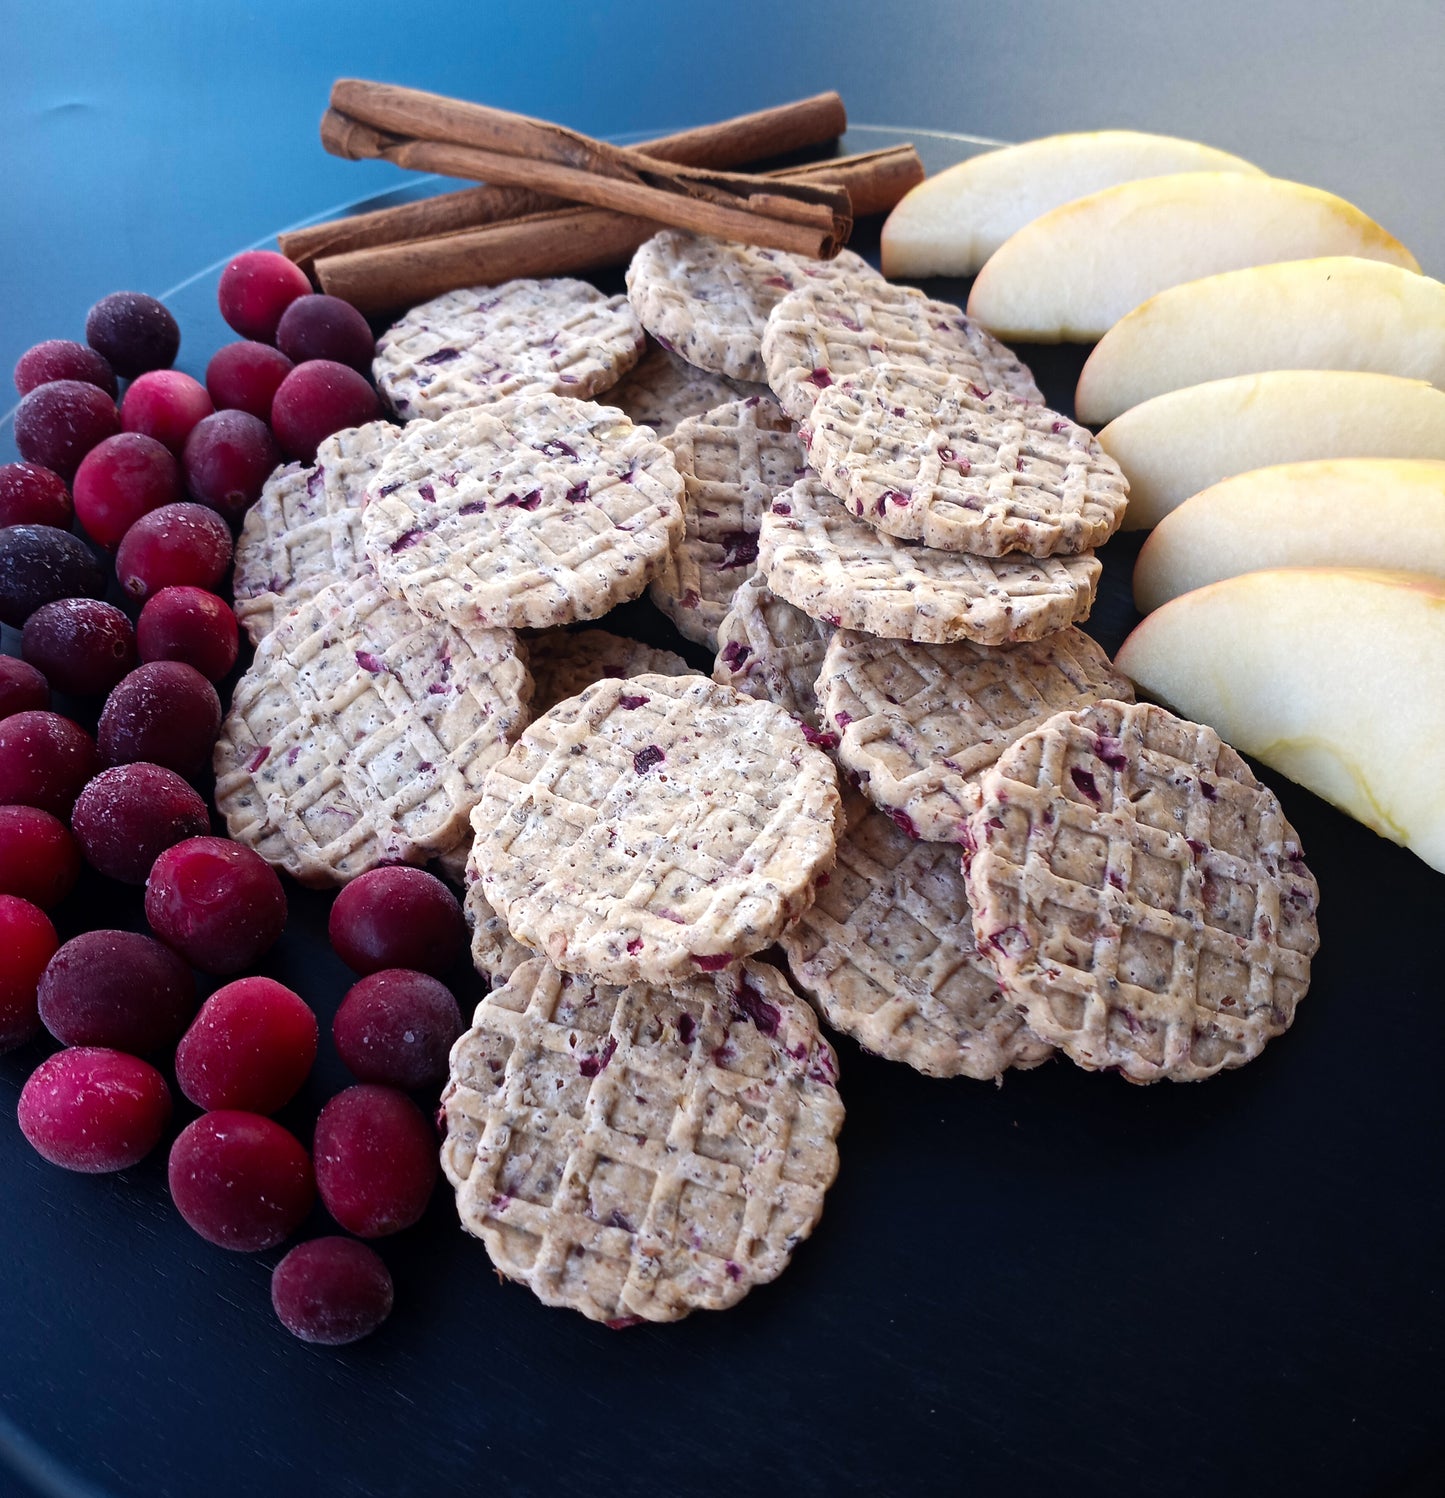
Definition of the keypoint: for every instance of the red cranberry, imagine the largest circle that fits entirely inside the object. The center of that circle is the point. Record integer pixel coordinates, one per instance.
(255, 289)
(250, 1047)
(57, 424)
(376, 1160)
(94, 1110)
(397, 1026)
(316, 399)
(127, 817)
(32, 495)
(62, 359)
(165, 404)
(240, 1180)
(189, 625)
(331, 1291)
(121, 479)
(245, 377)
(165, 712)
(325, 327)
(182, 545)
(22, 688)
(117, 988)
(134, 332)
(39, 860)
(220, 905)
(397, 917)
(228, 457)
(27, 942)
(81, 644)
(39, 564)
(45, 760)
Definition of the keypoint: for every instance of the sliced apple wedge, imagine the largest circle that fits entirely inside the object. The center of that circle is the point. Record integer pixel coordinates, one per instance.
(1177, 444)
(1348, 512)
(1330, 675)
(1337, 312)
(1072, 273)
(951, 223)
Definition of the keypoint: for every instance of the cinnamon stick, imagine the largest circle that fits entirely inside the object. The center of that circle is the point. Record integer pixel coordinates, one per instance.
(729, 143)
(565, 241)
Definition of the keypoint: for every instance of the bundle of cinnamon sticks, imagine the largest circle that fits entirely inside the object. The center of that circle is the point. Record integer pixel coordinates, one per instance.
(527, 220)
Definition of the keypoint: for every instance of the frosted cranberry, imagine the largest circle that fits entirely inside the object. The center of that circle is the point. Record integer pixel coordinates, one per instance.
(165, 404)
(218, 904)
(81, 644)
(22, 688)
(92, 1109)
(32, 495)
(397, 1026)
(250, 1047)
(331, 1291)
(57, 424)
(316, 399)
(228, 457)
(62, 359)
(39, 860)
(134, 332)
(27, 943)
(240, 1180)
(121, 479)
(255, 289)
(127, 817)
(245, 377)
(45, 760)
(117, 988)
(397, 918)
(181, 545)
(39, 564)
(165, 712)
(190, 625)
(325, 327)
(376, 1160)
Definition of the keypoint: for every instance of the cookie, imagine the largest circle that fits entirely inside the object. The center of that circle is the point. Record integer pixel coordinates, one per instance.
(495, 954)
(533, 511)
(304, 532)
(769, 649)
(470, 347)
(1141, 894)
(638, 1153)
(829, 332)
(708, 299)
(923, 456)
(565, 662)
(361, 733)
(850, 575)
(919, 724)
(887, 953)
(733, 460)
(663, 390)
(654, 828)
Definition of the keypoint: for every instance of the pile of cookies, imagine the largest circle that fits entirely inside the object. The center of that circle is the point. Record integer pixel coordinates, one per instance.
(858, 502)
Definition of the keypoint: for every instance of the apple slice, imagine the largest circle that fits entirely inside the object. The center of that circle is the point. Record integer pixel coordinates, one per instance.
(951, 223)
(1337, 312)
(1330, 675)
(1072, 273)
(1179, 443)
(1346, 512)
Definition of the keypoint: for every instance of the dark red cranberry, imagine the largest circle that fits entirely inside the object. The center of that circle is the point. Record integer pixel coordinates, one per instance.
(57, 424)
(250, 1047)
(39, 564)
(45, 761)
(240, 1180)
(245, 377)
(331, 1291)
(165, 404)
(117, 988)
(92, 1109)
(397, 1026)
(39, 859)
(376, 1160)
(190, 625)
(81, 644)
(397, 917)
(228, 457)
(325, 327)
(22, 688)
(181, 545)
(128, 816)
(218, 904)
(134, 332)
(165, 712)
(316, 399)
(27, 943)
(62, 359)
(255, 289)
(32, 495)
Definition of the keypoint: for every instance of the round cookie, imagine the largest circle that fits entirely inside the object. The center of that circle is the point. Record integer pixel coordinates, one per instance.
(565, 662)
(663, 390)
(495, 955)
(1141, 894)
(769, 649)
(533, 511)
(466, 348)
(639, 1153)
(655, 828)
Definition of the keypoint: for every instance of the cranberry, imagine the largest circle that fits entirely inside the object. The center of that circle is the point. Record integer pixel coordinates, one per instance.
(240, 1180)
(165, 404)
(221, 906)
(45, 760)
(32, 495)
(189, 625)
(39, 860)
(127, 817)
(134, 332)
(255, 289)
(181, 545)
(245, 377)
(376, 1160)
(62, 359)
(57, 424)
(316, 399)
(397, 917)
(228, 457)
(117, 988)
(331, 1291)
(27, 943)
(39, 564)
(165, 712)
(81, 644)
(397, 1026)
(94, 1110)
(250, 1047)
(22, 688)
(325, 327)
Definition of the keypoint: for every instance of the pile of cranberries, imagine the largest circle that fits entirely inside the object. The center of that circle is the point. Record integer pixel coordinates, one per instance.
(158, 482)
